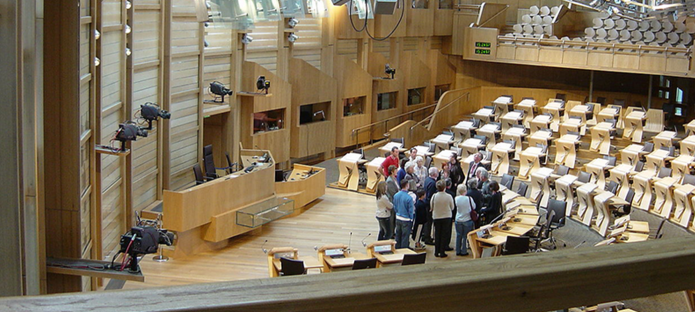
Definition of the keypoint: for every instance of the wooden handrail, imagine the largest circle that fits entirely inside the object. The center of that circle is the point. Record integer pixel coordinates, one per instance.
(355, 131)
(438, 110)
(492, 17)
(530, 282)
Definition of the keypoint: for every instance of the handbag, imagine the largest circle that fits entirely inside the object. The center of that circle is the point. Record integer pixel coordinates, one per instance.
(474, 214)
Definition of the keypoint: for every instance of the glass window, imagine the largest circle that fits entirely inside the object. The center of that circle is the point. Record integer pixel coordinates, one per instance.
(386, 101)
(439, 90)
(353, 106)
(446, 4)
(314, 112)
(268, 120)
(679, 95)
(416, 96)
(420, 4)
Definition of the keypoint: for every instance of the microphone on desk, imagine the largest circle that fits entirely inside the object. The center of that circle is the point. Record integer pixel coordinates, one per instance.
(363, 243)
(582, 243)
(263, 249)
(349, 242)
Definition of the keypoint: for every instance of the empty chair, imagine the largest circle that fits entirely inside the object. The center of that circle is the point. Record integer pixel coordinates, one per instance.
(230, 164)
(612, 187)
(428, 161)
(199, 178)
(639, 166)
(398, 140)
(448, 132)
(360, 151)
(562, 170)
(209, 162)
(409, 259)
(561, 96)
(364, 264)
(476, 122)
(430, 145)
(611, 160)
(507, 181)
(522, 189)
(292, 267)
(625, 209)
(482, 138)
(516, 245)
(689, 179)
(664, 172)
(648, 147)
(558, 219)
(584, 177)
(601, 100)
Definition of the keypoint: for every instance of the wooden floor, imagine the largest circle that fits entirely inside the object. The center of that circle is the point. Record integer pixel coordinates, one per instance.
(328, 220)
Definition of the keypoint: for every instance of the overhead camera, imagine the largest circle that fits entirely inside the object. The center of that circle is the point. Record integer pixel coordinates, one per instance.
(128, 131)
(142, 240)
(218, 88)
(292, 22)
(246, 39)
(262, 84)
(390, 71)
(151, 112)
(292, 37)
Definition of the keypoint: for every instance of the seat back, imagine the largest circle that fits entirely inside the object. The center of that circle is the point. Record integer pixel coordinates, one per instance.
(522, 189)
(476, 122)
(360, 151)
(612, 187)
(558, 207)
(482, 138)
(364, 264)
(512, 143)
(611, 160)
(516, 245)
(561, 96)
(209, 162)
(409, 259)
(199, 179)
(398, 140)
(639, 166)
(584, 177)
(507, 181)
(562, 170)
(648, 147)
(601, 100)
(230, 164)
(664, 172)
(292, 266)
(428, 161)
(689, 179)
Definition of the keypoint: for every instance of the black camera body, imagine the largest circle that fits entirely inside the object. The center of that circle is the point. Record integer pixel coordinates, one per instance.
(145, 240)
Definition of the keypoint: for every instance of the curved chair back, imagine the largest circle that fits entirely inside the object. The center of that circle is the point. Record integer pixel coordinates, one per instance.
(409, 259)
(364, 264)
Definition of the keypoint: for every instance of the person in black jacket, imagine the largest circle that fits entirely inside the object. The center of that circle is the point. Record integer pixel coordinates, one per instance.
(430, 189)
(494, 205)
(475, 194)
(455, 172)
(421, 211)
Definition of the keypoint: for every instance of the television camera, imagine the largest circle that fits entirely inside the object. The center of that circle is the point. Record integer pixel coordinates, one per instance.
(141, 240)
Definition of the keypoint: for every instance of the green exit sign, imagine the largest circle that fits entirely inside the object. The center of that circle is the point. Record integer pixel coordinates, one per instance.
(482, 45)
(482, 51)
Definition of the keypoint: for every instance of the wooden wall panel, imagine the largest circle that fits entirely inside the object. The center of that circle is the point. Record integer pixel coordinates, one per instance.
(217, 68)
(185, 35)
(146, 35)
(311, 56)
(112, 224)
(353, 81)
(85, 105)
(111, 51)
(348, 48)
(309, 32)
(219, 40)
(263, 49)
(184, 74)
(111, 12)
(382, 47)
(85, 48)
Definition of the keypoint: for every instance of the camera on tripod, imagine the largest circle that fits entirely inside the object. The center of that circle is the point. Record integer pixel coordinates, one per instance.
(142, 240)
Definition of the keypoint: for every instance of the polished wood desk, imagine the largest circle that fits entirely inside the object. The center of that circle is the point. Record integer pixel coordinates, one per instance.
(502, 104)
(631, 154)
(683, 205)
(601, 138)
(516, 134)
(471, 146)
(631, 237)
(621, 175)
(349, 172)
(442, 142)
(395, 256)
(275, 266)
(539, 182)
(511, 119)
(607, 113)
(491, 131)
(374, 175)
(485, 114)
(529, 161)
(566, 150)
(643, 190)
(527, 106)
(515, 223)
(688, 146)
(463, 130)
(540, 137)
(663, 199)
(664, 139)
(331, 263)
(540, 122)
(555, 108)
(656, 160)
(564, 191)
(500, 158)
(304, 185)
(634, 126)
(585, 207)
(388, 146)
(690, 128)
(597, 168)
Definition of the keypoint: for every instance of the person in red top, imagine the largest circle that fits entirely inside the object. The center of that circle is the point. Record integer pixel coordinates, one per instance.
(391, 160)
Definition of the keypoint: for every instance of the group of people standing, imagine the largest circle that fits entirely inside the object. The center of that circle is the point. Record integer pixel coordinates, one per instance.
(414, 200)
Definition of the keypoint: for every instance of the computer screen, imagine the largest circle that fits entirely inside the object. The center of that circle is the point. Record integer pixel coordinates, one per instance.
(678, 111)
(279, 175)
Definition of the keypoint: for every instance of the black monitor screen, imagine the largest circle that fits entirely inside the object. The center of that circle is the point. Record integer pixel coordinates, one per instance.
(279, 175)
(678, 111)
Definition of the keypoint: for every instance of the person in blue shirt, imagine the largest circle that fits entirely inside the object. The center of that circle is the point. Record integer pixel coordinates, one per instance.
(404, 207)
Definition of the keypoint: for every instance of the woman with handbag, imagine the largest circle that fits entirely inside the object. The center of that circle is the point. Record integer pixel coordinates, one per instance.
(465, 220)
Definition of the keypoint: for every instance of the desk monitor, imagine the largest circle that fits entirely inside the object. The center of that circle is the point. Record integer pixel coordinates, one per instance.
(483, 232)
(384, 250)
(678, 111)
(288, 255)
(335, 253)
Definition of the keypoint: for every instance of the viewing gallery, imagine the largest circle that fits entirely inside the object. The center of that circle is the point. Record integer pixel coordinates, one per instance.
(237, 155)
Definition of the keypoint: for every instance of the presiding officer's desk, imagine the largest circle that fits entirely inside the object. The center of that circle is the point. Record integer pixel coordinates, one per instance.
(205, 216)
(335, 257)
(304, 184)
(275, 266)
(386, 253)
(518, 221)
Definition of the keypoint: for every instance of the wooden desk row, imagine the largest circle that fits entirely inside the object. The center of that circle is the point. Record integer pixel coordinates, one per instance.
(336, 257)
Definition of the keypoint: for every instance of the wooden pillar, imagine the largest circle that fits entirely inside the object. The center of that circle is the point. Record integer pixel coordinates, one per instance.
(62, 138)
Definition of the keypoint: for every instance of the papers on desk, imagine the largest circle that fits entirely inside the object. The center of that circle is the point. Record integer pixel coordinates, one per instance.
(503, 100)
(490, 128)
(513, 115)
(484, 112)
(352, 157)
(527, 102)
(444, 138)
(466, 124)
(543, 118)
